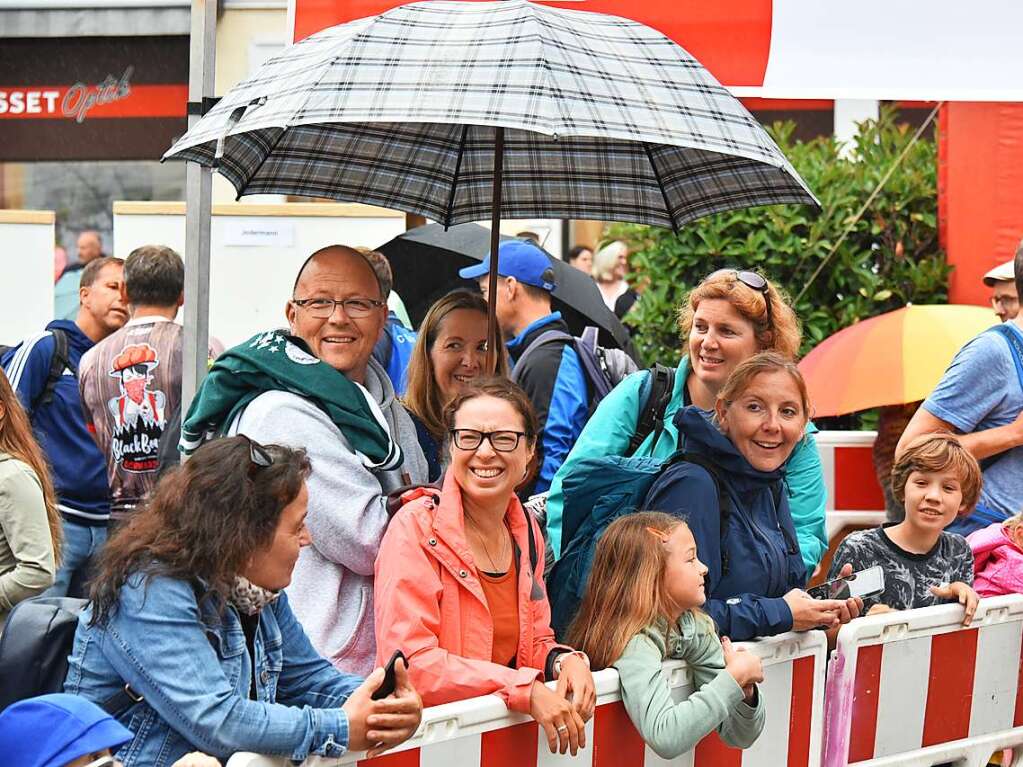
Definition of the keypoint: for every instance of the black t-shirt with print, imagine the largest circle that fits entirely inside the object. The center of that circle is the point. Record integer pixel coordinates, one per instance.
(908, 577)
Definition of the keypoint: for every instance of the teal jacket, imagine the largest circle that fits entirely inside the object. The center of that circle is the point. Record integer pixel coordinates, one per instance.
(669, 728)
(611, 427)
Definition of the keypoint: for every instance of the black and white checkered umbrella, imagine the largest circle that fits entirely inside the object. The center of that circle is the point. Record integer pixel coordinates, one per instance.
(602, 117)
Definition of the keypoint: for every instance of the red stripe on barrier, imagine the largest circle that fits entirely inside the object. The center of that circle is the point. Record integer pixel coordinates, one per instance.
(950, 687)
(801, 712)
(510, 746)
(1017, 718)
(856, 485)
(408, 758)
(616, 743)
(712, 752)
(863, 724)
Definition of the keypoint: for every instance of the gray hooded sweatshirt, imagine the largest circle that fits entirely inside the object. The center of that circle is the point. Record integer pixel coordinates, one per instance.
(331, 589)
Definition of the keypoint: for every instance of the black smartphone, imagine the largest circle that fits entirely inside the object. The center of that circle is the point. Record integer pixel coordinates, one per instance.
(865, 583)
(387, 686)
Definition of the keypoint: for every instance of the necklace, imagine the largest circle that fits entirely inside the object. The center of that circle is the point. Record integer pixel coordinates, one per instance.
(479, 536)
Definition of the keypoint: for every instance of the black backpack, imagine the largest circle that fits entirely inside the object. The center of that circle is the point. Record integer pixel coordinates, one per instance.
(60, 360)
(34, 649)
(604, 368)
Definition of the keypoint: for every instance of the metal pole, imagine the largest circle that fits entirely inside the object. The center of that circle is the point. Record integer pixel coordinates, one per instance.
(494, 332)
(198, 204)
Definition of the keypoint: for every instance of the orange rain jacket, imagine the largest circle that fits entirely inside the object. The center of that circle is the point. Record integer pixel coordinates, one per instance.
(430, 604)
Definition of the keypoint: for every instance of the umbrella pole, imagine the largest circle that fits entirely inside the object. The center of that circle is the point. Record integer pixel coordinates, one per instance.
(493, 331)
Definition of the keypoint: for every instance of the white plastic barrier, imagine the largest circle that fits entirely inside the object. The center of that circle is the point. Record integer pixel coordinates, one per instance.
(481, 732)
(26, 288)
(915, 688)
(854, 496)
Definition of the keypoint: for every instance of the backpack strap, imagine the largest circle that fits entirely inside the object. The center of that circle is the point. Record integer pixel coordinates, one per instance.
(549, 336)
(654, 396)
(60, 360)
(724, 500)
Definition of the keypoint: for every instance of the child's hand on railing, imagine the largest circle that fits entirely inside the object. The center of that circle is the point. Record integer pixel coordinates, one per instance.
(745, 667)
(967, 597)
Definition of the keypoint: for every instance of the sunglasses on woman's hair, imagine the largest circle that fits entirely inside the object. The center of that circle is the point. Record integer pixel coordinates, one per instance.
(753, 281)
(259, 456)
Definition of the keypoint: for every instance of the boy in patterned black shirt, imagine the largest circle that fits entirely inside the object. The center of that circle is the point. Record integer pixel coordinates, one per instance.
(936, 479)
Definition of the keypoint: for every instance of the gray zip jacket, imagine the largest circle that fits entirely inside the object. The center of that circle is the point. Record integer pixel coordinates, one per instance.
(331, 590)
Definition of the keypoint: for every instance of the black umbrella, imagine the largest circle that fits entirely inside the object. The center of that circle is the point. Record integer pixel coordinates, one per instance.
(425, 262)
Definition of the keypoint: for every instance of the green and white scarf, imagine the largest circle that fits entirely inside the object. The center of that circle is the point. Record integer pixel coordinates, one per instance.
(276, 361)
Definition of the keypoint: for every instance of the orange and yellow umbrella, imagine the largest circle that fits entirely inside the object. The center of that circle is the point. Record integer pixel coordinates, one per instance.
(891, 359)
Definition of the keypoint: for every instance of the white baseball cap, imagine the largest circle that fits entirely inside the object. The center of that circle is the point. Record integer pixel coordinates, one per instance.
(1001, 273)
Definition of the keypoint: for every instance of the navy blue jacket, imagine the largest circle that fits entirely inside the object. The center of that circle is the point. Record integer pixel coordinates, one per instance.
(79, 470)
(760, 541)
(553, 379)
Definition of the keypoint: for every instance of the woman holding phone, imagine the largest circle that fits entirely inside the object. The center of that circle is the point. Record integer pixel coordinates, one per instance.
(459, 579)
(190, 637)
(730, 490)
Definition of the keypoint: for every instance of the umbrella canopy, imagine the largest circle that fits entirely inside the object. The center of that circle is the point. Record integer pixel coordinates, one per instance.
(425, 263)
(602, 118)
(892, 359)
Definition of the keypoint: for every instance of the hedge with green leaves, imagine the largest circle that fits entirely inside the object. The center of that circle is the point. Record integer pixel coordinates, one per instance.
(890, 258)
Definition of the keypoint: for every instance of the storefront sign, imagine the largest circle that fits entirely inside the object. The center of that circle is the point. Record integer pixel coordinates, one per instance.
(117, 98)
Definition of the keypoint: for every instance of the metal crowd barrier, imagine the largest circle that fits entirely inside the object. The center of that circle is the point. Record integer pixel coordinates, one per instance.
(481, 732)
(915, 688)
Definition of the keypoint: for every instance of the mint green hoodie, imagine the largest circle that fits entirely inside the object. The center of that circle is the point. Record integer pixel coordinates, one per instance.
(670, 728)
(611, 427)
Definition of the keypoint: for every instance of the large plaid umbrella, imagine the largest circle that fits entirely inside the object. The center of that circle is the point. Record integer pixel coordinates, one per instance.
(462, 110)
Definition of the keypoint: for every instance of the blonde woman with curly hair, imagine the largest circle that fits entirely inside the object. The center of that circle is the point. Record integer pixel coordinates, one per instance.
(726, 319)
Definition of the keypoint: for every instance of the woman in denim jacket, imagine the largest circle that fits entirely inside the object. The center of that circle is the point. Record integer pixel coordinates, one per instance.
(189, 617)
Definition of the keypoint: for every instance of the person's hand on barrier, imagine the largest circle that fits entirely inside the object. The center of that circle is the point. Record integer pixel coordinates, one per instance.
(967, 597)
(880, 609)
(197, 759)
(575, 683)
(745, 667)
(377, 725)
(809, 613)
(562, 724)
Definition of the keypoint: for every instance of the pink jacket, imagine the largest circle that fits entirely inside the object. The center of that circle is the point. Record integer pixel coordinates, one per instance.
(430, 604)
(997, 562)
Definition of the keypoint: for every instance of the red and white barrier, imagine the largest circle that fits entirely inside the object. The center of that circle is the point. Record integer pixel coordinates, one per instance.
(916, 688)
(481, 732)
(854, 496)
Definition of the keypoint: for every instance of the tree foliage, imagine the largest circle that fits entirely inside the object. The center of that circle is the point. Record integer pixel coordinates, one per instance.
(890, 257)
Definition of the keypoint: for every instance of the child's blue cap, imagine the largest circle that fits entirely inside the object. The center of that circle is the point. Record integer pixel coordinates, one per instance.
(52, 730)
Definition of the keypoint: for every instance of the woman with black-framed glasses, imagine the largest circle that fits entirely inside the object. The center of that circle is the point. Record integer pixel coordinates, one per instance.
(726, 319)
(459, 578)
(191, 639)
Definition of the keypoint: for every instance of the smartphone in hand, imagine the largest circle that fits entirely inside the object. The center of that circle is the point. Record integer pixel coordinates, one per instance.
(865, 583)
(387, 686)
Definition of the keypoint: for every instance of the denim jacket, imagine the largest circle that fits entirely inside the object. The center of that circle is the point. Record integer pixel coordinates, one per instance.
(193, 669)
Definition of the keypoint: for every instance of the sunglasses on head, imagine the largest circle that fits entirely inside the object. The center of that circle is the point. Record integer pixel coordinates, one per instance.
(753, 281)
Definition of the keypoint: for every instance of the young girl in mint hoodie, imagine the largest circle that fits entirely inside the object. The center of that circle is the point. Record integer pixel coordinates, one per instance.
(641, 608)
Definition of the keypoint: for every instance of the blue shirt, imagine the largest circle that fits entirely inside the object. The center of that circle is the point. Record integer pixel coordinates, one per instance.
(79, 469)
(979, 391)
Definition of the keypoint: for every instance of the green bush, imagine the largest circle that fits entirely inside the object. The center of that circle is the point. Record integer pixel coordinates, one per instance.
(889, 259)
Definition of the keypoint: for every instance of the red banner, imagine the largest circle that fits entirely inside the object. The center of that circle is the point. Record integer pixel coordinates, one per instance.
(732, 38)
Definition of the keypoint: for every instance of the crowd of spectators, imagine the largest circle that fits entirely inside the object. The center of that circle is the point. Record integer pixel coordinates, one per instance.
(353, 488)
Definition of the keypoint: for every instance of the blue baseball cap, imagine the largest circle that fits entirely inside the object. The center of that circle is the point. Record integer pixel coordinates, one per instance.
(519, 259)
(52, 730)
